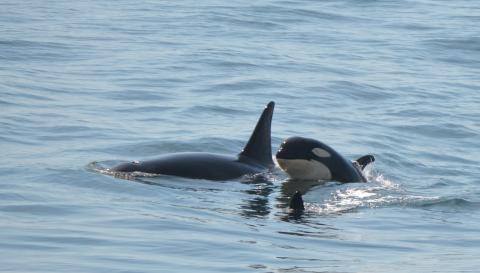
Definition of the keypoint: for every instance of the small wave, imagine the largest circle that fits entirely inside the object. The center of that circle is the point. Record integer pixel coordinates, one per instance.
(284, 14)
(29, 50)
(469, 44)
(168, 145)
(451, 203)
(7, 103)
(246, 22)
(215, 109)
(444, 130)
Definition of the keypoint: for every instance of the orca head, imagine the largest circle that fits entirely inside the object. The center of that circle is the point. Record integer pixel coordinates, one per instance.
(305, 159)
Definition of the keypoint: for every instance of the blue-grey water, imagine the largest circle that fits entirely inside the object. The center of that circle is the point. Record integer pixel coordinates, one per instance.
(87, 84)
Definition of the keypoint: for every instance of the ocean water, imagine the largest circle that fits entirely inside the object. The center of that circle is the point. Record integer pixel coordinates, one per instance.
(86, 84)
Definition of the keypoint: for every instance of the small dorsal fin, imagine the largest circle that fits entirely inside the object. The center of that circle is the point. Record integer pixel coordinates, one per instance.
(365, 160)
(259, 146)
(296, 202)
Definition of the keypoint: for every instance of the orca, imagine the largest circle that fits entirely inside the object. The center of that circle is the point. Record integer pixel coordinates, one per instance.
(256, 157)
(309, 159)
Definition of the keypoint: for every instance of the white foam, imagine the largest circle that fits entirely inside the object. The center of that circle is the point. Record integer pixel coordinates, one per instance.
(379, 192)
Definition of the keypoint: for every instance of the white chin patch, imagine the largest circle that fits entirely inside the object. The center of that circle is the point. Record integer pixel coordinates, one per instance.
(320, 152)
(305, 169)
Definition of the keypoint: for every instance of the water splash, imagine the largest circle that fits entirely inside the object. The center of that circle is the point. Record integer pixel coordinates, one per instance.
(380, 191)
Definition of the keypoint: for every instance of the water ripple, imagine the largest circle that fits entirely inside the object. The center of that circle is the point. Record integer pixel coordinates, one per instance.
(104, 82)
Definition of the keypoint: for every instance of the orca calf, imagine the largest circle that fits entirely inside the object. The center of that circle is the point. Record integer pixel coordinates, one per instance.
(256, 157)
(309, 159)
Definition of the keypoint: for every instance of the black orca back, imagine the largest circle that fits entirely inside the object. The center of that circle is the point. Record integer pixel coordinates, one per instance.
(259, 146)
(255, 157)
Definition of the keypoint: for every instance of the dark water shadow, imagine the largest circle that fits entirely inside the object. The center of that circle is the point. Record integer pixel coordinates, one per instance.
(257, 205)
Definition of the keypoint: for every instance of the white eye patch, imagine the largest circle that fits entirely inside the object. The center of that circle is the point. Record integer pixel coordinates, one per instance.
(320, 152)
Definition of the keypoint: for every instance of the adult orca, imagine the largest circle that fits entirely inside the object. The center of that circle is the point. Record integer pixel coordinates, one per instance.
(256, 157)
(309, 159)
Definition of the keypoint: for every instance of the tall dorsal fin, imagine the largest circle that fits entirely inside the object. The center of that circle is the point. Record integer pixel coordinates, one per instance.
(259, 146)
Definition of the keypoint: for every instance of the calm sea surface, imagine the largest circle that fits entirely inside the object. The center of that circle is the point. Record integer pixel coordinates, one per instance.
(87, 84)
